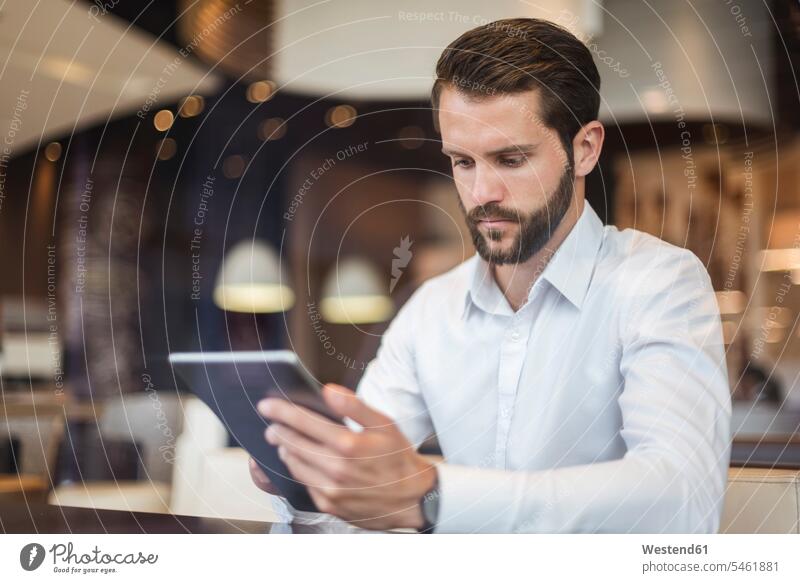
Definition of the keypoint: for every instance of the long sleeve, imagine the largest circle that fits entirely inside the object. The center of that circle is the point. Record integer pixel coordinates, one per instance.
(390, 382)
(675, 408)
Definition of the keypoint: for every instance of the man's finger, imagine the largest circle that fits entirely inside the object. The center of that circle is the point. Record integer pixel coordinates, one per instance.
(344, 402)
(260, 479)
(313, 452)
(304, 472)
(300, 419)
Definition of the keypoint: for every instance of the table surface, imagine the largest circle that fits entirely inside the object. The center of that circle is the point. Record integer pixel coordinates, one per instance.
(19, 516)
(38, 401)
(18, 483)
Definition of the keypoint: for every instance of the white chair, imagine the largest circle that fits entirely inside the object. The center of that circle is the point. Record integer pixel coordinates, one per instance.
(211, 479)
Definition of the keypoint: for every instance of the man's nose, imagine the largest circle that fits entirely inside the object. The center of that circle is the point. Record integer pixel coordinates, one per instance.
(487, 187)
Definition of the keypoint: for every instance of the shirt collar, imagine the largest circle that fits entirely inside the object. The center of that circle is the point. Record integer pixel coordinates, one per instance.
(569, 271)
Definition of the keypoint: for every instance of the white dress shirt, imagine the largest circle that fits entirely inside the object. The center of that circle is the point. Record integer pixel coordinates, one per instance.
(601, 405)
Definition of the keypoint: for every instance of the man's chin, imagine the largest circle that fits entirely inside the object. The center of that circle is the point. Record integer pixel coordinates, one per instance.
(501, 245)
(499, 252)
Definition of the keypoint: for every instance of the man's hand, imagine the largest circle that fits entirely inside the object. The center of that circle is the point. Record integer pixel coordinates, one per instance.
(260, 479)
(373, 478)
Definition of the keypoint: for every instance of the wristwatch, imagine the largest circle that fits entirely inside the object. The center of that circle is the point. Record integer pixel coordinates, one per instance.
(430, 508)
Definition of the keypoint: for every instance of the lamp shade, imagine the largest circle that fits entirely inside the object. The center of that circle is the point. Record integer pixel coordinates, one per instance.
(251, 280)
(353, 294)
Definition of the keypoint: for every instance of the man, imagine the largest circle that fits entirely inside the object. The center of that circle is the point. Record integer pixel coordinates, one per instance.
(573, 374)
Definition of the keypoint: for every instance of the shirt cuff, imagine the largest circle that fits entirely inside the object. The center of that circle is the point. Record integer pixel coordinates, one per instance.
(475, 499)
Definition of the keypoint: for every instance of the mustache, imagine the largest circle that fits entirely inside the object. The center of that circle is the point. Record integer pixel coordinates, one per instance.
(492, 211)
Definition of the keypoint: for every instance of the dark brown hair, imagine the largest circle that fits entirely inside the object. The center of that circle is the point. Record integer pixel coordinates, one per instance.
(520, 54)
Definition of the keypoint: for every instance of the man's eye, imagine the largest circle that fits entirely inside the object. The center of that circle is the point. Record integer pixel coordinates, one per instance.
(463, 163)
(512, 162)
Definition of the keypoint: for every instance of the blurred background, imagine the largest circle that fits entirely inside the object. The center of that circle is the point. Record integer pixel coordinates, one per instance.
(220, 175)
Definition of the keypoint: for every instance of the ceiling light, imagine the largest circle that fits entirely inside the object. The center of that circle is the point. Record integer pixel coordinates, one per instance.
(411, 137)
(341, 116)
(191, 106)
(273, 128)
(260, 91)
(233, 166)
(163, 120)
(52, 151)
(166, 148)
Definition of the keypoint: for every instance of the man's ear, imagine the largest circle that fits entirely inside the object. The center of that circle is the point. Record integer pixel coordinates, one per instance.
(586, 147)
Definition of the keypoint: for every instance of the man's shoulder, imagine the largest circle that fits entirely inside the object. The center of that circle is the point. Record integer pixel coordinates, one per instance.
(658, 288)
(447, 289)
(630, 253)
(642, 272)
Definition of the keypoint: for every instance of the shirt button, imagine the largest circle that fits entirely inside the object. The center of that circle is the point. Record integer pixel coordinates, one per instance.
(515, 335)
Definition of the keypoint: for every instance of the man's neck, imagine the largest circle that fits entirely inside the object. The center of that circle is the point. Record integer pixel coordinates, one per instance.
(516, 279)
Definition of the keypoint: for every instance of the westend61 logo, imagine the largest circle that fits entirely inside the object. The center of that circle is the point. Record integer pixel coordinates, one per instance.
(65, 560)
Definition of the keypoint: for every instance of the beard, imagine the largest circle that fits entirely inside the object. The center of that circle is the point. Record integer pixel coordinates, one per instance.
(535, 228)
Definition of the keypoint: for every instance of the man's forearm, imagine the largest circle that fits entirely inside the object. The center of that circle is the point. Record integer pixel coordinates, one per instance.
(634, 494)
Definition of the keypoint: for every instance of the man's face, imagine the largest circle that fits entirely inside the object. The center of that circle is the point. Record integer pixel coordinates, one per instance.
(512, 173)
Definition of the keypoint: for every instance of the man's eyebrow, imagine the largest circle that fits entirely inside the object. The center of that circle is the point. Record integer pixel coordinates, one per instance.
(515, 149)
(447, 152)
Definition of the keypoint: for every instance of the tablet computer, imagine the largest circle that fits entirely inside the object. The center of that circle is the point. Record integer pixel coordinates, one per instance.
(232, 384)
